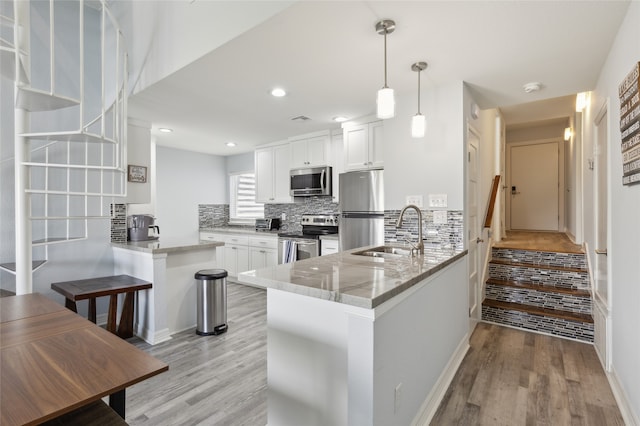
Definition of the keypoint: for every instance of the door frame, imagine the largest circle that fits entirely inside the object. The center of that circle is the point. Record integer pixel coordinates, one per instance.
(475, 312)
(561, 181)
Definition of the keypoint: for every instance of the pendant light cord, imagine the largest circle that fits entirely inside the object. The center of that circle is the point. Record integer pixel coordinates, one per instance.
(419, 91)
(385, 57)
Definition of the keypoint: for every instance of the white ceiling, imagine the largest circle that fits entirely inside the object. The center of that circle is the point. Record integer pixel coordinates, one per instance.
(328, 57)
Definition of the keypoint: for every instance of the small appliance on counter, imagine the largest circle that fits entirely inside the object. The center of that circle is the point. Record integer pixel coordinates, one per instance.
(138, 227)
(267, 224)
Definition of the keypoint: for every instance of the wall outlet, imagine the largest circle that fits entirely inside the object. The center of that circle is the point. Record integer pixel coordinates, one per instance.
(438, 200)
(397, 398)
(415, 199)
(440, 216)
(283, 217)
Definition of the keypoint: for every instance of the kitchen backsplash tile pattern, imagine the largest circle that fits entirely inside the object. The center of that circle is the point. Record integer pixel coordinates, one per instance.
(447, 235)
(118, 223)
(213, 215)
(293, 212)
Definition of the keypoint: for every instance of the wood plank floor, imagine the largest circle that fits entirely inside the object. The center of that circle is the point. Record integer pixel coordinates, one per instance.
(513, 377)
(535, 240)
(212, 380)
(509, 377)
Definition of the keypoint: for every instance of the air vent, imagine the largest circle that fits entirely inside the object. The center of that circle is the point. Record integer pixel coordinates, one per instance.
(300, 118)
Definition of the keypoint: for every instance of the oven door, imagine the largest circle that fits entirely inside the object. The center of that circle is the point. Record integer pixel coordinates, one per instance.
(304, 249)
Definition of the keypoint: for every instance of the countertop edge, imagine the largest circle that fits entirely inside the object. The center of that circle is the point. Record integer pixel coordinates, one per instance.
(250, 277)
(171, 248)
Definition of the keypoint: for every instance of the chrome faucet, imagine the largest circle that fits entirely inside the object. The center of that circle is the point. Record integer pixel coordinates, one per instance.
(420, 246)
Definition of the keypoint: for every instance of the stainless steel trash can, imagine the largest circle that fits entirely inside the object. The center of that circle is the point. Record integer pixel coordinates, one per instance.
(212, 301)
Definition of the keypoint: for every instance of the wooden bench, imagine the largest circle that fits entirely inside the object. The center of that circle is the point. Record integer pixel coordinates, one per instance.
(105, 286)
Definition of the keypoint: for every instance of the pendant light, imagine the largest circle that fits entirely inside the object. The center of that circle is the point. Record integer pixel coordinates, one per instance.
(418, 122)
(386, 103)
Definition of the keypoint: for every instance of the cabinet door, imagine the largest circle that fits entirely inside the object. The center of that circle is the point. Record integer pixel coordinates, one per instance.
(271, 257)
(376, 144)
(355, 147)
(281, 169)
(318, 151)
(328, 247)
(298, 151)
(264, 158)
(257, 259)
(231, 260)
(242, 253)
(337, 159)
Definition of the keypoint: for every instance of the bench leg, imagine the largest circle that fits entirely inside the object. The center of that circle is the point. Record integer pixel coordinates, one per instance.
(125, 328)
(113, 310)
(71, 305)
(92, 310)
(117, 401)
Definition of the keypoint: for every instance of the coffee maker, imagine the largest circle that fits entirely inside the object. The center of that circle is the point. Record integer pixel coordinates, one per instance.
(138, 226)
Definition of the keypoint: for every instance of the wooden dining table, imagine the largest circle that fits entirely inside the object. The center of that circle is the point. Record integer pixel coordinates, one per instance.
(53, 361)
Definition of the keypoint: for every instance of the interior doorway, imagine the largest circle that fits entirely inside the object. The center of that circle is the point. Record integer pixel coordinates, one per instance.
(473, 220)
(534, 186)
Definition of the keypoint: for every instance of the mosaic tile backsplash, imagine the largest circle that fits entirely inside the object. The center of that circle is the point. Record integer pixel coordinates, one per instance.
(213, 215)
(447, 235)
(293, 212)
(118, 223)
(566, 260)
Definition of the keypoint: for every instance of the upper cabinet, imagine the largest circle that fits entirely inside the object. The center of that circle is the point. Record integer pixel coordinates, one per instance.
(310, 150)
(272, 174)
(363, 146)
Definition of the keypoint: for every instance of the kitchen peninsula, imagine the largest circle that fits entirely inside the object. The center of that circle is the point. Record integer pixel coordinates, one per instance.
(364, 340)
(170, 306)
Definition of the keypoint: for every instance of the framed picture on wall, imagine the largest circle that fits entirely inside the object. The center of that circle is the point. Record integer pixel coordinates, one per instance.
(137, 174)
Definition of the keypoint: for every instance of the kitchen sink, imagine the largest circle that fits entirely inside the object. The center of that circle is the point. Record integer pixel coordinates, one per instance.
(385, 252)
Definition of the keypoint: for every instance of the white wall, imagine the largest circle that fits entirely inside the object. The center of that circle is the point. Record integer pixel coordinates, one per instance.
(431, 165)
(185, 179)
(624, 247)
(164, 36)
(240, 163)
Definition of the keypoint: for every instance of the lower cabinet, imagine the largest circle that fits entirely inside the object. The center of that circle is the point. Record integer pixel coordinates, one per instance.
(328, 247)
(242, 253)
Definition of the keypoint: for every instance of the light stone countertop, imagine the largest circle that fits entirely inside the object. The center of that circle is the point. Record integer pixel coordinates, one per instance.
(240, 230)
(168, 245)
(351, 279)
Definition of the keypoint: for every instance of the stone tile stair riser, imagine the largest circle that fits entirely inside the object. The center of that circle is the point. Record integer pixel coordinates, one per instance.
(567, 260)
(555, 326)
(564, 279)
(563, 302)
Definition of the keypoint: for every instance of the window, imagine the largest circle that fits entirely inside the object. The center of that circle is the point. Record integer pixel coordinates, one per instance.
(243, 207)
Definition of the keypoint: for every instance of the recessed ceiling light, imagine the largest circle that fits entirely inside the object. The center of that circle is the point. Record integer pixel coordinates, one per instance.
(340, 119)
(165, 130)
(534, 86)
(230, 144)
(278, 92)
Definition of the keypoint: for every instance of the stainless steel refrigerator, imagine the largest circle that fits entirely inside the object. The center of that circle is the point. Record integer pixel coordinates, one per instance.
(361, 209)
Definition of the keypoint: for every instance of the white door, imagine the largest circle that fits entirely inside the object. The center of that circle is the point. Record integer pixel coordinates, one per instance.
(534, 187)
(473, 224)
(355, 147)
(376, 144)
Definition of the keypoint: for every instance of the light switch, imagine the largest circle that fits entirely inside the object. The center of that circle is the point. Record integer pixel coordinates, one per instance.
(438, 200)
(415, 199)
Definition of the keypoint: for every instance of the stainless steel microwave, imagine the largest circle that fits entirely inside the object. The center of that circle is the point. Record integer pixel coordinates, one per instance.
(310, 181)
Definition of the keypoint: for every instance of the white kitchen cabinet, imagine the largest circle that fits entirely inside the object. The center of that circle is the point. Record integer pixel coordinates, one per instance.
(328, 247)
(272, 174)
(263, 252)
(236, 259)
(363, 146)
(310, 150)
(337, 159)
(210, 236)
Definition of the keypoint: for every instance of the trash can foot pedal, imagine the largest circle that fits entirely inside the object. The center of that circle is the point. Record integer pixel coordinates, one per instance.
(216, 330)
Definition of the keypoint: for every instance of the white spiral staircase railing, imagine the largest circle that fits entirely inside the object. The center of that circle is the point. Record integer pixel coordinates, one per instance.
(69, 64)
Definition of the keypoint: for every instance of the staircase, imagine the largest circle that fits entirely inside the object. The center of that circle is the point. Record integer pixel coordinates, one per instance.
(542, 291)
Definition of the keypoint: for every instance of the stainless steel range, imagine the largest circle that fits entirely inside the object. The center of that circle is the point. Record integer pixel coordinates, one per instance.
(294, 246)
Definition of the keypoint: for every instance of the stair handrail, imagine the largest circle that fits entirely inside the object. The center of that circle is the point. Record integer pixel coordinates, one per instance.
(492, 201)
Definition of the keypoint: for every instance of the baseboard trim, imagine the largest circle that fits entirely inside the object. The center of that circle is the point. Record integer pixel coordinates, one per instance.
(432, 402)
(630, 418)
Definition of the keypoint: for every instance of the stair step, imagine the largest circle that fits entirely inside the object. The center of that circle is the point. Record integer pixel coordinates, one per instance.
(569, 278)
(561, 324)
(540, 257)
(540, 287)
(540, 296)
(537, 266)
(546, 312)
